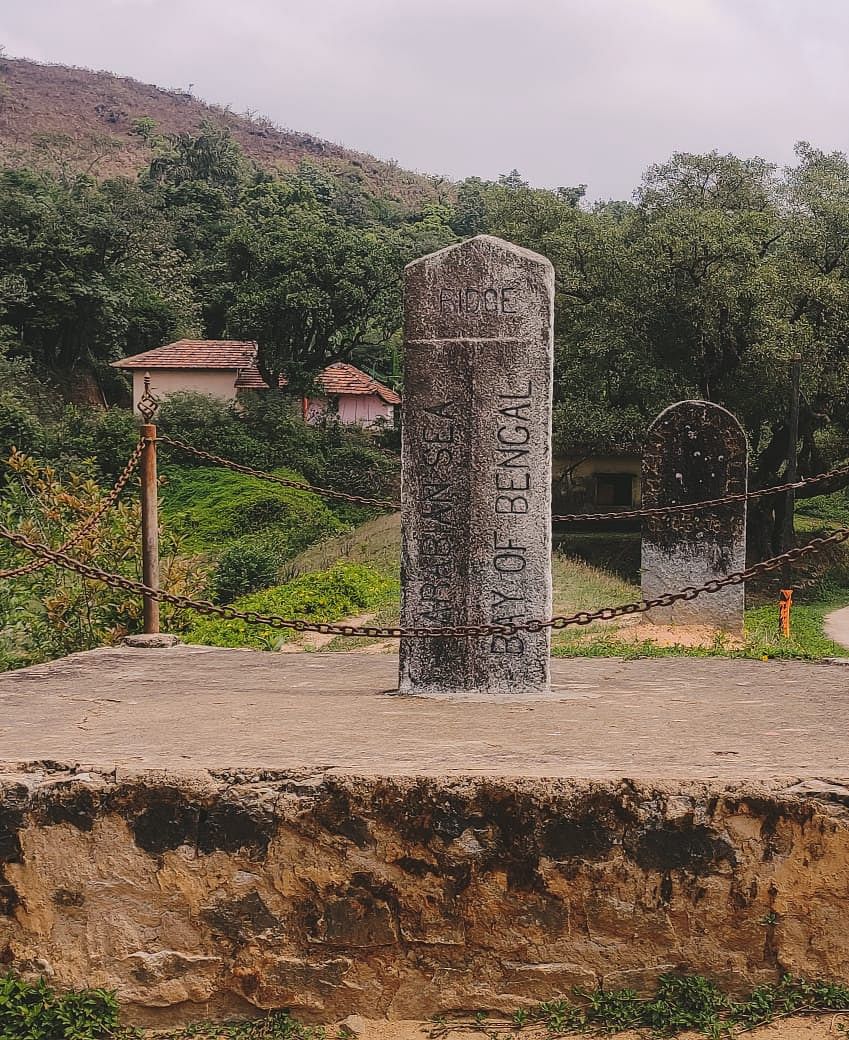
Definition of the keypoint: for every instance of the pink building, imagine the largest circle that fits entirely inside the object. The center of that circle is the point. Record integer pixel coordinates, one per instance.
(222, 368)
(355, 395)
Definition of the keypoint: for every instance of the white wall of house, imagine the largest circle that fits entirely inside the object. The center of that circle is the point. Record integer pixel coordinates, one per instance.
(361, 409)
(217, 382)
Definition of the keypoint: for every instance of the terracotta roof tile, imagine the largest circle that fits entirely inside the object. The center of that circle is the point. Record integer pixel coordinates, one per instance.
(195, 353)
(342, 378)
(240, 356)
(250, 379)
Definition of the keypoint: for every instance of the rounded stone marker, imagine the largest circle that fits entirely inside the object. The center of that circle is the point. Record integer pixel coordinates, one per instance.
(693, 451)
(476, 466)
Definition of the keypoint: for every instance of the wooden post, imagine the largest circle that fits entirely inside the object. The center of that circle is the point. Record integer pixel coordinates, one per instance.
(150, 527)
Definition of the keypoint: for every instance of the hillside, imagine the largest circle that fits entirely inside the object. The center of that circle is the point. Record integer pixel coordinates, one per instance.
(83, 120)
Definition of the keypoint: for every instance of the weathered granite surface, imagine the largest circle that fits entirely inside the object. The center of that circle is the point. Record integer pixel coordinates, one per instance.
(694, 451)
(476, 465)
(217, 893)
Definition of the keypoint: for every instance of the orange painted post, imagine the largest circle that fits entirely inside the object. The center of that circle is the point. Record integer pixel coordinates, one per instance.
(784, 605)
(150, 527)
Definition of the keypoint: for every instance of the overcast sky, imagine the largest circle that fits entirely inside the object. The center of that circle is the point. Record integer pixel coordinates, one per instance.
(567, 91)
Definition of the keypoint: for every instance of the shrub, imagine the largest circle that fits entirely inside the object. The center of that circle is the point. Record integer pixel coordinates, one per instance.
(358, 467)
(245, 566)
(19, 427)
(33, 1011)
(50, 613)
(275, 420)
(106, 436)
(211, 424)
(344, 590)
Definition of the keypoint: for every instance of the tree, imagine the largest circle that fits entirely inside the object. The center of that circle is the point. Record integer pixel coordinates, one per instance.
(92, 271)
(705, 287)
(211, 156)
(307, 288)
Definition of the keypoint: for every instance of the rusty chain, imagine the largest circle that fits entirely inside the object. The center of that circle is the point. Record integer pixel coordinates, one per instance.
(92, 522)
(708, 503)
(359, 500)
(253, 617)
(627, 514)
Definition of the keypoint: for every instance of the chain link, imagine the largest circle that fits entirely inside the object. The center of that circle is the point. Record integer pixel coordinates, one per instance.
(118, 581)
(93, 520)
(627, 514)
(709, 503)
(46, 556)
(359, 500)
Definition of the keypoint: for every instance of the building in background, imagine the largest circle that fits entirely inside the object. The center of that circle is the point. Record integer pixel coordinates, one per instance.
(597, 478)
(353, 395)
(225, 368)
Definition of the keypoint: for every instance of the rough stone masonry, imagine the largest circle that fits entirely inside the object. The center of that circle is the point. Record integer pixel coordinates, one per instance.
(476, 466)
(695, 450)
(212, 895)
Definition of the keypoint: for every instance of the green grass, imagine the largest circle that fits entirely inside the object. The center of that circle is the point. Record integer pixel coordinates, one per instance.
(762, 641)
(346, 589)
(214, 507)
(580, 586)
(823, 510)
(376, 543)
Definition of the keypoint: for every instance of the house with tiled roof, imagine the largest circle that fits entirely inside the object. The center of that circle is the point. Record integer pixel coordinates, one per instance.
(355, 396)
(224, 368)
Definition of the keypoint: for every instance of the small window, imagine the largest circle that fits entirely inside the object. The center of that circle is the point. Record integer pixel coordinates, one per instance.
(614, 489)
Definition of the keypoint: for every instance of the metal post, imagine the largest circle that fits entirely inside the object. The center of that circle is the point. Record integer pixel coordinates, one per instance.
(150, 527)
(785, 605)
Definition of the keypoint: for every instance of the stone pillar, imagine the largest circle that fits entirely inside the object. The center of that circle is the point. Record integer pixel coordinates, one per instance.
(476, 466)
(693, 451)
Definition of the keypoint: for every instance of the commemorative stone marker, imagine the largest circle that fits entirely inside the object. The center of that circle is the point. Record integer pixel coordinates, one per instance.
(476, 466)
(695, 451)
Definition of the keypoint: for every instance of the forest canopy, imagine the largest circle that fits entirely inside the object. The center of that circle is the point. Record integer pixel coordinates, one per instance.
(705, 284)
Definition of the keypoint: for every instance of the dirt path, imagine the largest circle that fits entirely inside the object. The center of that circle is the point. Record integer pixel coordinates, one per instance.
(316, 640)
(795, 1027)
(837, 626)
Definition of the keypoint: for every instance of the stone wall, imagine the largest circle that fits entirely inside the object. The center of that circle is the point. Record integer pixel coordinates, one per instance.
(214, 894)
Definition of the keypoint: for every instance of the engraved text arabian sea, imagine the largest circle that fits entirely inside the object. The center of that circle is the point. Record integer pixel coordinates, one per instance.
(440, 491)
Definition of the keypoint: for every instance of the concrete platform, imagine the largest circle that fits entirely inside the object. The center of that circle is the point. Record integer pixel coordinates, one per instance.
(191, 708)
(211, 833)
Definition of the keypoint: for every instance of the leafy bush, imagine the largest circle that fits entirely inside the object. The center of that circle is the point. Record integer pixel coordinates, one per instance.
(30, 386)
(342, 591)
(685, 1003)
(33, 1011)
(276, 421)
(51, 613)
(19, 427)
(245, 566)
(266, 431)
(356, 466)
(106, 436)
(211, 424)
